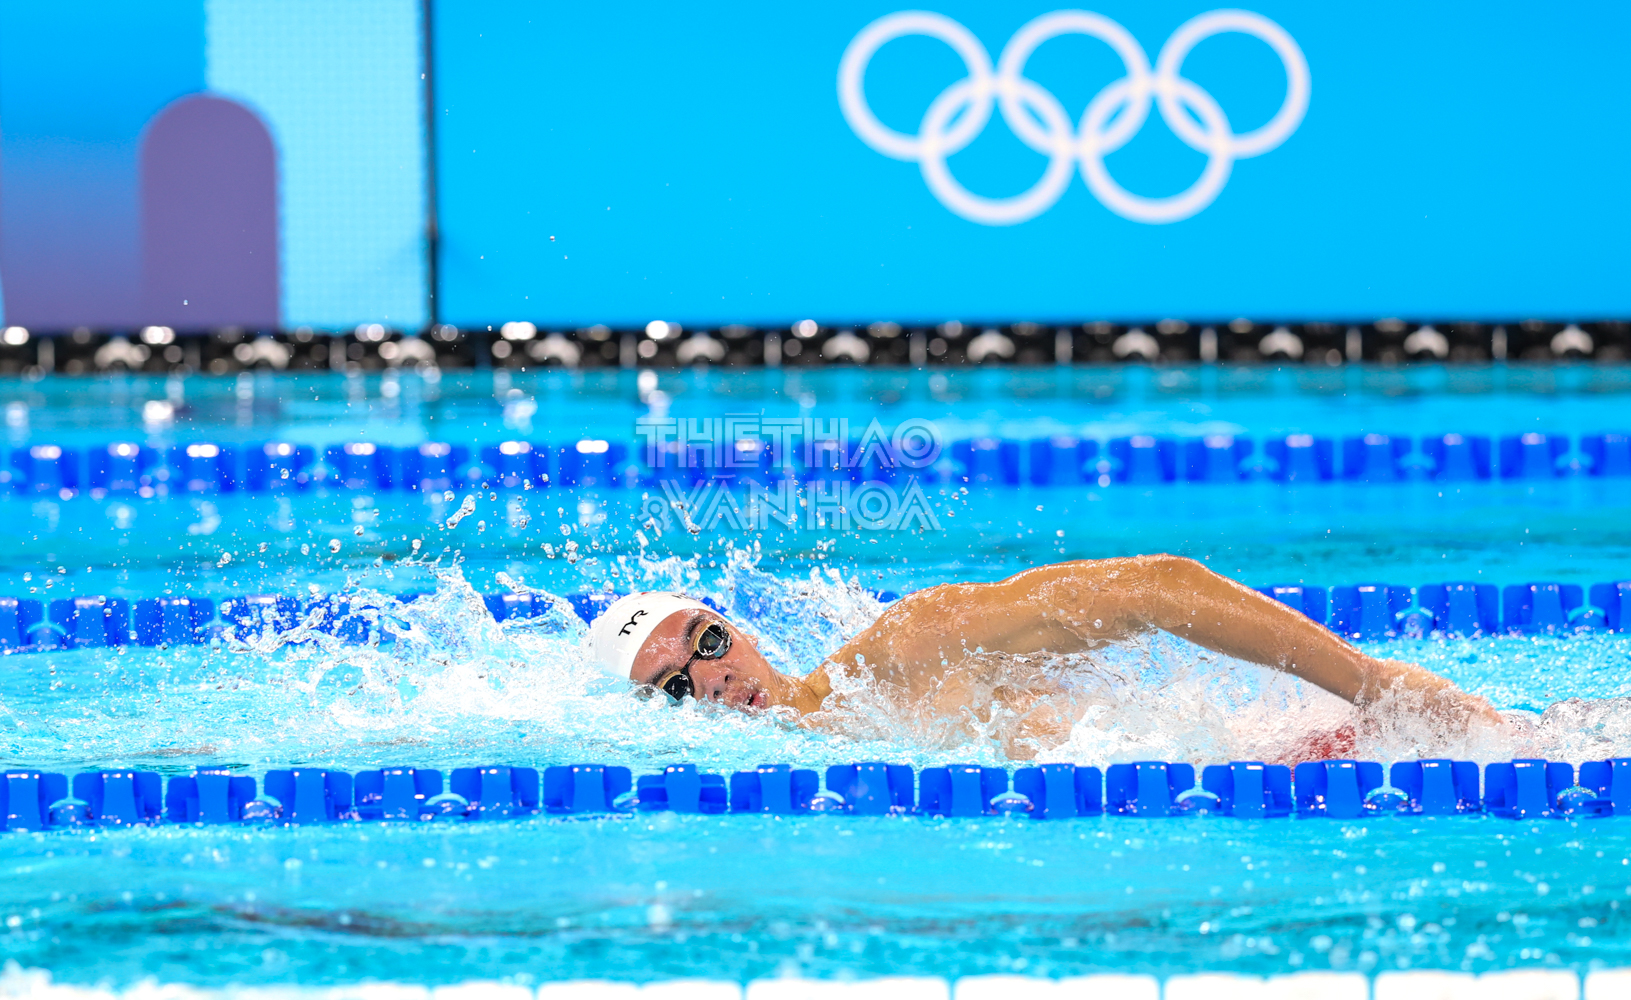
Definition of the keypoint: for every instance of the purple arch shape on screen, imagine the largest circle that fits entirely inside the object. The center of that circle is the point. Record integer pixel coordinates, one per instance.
(209, 217)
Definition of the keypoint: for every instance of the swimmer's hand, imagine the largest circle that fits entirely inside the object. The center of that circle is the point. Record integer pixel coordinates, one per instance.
(1439, 697)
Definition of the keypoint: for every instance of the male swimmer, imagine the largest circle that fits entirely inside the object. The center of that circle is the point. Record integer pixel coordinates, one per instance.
(946, 649)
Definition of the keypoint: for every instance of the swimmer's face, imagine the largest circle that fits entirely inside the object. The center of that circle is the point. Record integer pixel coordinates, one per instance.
(741, 678)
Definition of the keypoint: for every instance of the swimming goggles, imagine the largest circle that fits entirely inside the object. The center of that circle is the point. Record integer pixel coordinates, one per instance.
(711, 643)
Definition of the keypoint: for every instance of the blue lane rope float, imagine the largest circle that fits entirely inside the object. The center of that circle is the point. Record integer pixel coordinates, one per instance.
(133, 469)
(780, 789)
(1442, 787)
(1527, 789)
(34, 800)
(1061, 791)
(1250, 790)
(1367, 612)
(1148, 788)
(213, 795)
(585, 787)
(961, 789)
(874, 788)
(682, 788)
(1337, 789)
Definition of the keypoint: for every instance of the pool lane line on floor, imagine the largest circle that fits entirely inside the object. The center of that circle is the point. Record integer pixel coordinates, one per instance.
(1510, 984)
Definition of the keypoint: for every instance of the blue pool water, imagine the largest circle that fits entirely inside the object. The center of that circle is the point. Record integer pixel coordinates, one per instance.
(660, 896)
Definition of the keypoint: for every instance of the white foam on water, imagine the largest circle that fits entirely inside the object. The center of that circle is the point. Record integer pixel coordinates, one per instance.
(452, 685)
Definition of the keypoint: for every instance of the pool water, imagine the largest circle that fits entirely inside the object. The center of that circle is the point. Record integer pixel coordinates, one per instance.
(661, 896)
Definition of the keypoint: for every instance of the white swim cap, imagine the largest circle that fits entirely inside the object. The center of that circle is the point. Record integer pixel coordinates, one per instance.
(627, 623)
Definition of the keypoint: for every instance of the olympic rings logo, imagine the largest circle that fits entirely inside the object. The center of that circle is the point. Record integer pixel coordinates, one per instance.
(1114, 115)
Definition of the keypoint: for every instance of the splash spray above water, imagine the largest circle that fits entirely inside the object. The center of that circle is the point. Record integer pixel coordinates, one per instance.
(441, 682)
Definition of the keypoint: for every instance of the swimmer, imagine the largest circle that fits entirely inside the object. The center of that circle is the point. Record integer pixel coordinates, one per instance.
(932, 648)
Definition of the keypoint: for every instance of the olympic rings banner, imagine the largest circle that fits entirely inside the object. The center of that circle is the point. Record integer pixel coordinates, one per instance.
(858, 161)
(1038, 119)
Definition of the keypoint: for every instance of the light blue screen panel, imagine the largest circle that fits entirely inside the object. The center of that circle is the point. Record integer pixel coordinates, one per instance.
(622, 162)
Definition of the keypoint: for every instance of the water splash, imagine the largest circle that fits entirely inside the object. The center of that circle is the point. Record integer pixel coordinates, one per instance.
(466, 508)
(440, 683)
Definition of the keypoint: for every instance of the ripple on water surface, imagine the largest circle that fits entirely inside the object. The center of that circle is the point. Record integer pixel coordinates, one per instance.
(452, 686)
(663, 896)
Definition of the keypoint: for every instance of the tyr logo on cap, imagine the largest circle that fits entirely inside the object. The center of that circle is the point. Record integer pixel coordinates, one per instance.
(632, 619)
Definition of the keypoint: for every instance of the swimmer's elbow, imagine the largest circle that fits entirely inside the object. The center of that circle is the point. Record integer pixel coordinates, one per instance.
(940, 596)
(1168, 569)
(1171, 563)
(1169, 588)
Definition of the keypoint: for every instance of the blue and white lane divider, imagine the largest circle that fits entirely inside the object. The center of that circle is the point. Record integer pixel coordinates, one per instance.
(1525, 789)
(1511, 984)
(135, 469)
(1365, 612)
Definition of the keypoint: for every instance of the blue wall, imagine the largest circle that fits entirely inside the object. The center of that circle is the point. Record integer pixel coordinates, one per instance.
(79, 79)
(692, 163)
(338, 86)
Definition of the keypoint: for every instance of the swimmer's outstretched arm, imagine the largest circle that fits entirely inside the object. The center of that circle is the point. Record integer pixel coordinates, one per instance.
(1074, 606)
